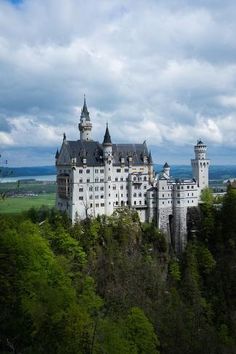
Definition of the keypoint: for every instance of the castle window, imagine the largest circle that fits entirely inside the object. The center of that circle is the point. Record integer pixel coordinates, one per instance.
(81, 198)
(96, 188)
(192, 201)
(109, 178)
(188, 201)
(96, 196)
(126, 170)
(81, 189)
(187, 187)
(101, 171)
(182, 187)
(102, 196)
(192, 187)
(121, 195)
(121, 187)
(97, 205)
(96, 179)
(91, 197)
(145, 187)
(135, 195)
(90, 188)
(80, 181)
(163, 195)
(145, 202)
(87, 171)
(101, 180)
(140, 202)
(144, 178)
(102, 204)
(114, 188)
(122, 179)
(178, 201)
(192, 194)
(116, 179)
(118, 170)
(135, 202)
(96, 170)
(163, 188)
(101, 188)
(140, 194)
(88, 180)
(116, 203)
(177, 187)
(91, 205)
(178, 194)
(163, 202)
(80, 171)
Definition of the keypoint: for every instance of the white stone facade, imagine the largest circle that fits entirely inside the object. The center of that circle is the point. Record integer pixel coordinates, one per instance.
(95, 179)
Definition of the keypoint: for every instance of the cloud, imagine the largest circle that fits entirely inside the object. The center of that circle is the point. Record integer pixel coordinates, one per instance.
(164, 71)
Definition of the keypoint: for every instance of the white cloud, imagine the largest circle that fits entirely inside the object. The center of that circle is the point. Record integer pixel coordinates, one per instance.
(164, 71)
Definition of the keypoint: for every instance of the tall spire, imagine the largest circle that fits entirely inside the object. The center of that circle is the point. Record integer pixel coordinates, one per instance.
(85, 125)
(107, 137)
(85, 112)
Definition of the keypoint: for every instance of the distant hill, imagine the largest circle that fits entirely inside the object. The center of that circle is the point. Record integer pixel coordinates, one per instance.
(32, 171)
(177, 171)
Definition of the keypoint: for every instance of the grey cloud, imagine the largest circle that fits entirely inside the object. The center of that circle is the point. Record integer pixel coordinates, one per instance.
(160, 70)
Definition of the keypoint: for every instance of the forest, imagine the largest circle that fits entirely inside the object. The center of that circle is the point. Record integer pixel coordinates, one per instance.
(114, 285)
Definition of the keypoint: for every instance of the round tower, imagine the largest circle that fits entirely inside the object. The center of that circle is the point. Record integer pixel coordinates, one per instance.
(200, 165)
(85, 125)
(108, 167)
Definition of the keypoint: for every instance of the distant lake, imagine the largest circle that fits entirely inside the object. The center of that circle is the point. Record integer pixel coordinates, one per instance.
(37, 178)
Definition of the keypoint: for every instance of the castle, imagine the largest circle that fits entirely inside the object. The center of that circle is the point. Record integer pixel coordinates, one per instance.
(95, 179)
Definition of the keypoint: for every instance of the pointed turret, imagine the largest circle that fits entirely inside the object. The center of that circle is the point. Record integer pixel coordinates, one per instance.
(150, 157)
(85, 126)
(166, 170)
(84, 111)
(57, 154)
(107, 137)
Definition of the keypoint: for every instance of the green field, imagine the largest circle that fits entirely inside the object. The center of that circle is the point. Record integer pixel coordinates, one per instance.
(19, 204)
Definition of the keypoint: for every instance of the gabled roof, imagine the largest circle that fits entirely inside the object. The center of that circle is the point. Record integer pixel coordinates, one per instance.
(136, 151)
(93, 151)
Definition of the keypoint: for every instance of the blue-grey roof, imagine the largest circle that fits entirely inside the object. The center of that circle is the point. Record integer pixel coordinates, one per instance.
(107, 137)
(93, 151)
(136, 151)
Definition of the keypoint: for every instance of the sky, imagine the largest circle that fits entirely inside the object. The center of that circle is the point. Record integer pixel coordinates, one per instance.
(161, 71)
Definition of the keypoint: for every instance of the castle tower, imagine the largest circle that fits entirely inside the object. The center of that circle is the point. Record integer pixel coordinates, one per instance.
(85, 125)
(166, 170)
(107, 155)
(200, 165)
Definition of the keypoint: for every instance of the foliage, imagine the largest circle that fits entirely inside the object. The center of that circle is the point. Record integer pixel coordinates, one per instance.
(112, 285)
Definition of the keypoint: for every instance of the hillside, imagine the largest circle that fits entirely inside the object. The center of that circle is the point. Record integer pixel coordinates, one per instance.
(114, 285)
